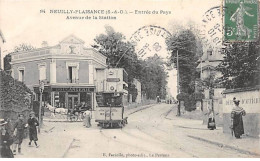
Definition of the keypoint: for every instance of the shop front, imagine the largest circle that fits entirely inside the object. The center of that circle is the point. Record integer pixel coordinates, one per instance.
(67, 96)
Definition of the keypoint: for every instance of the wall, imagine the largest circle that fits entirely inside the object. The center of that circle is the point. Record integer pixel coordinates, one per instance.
(31, 72)
(83, 72)
(250, 101)
(61, 70)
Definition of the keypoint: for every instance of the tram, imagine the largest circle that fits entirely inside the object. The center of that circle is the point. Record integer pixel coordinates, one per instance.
(110, 110)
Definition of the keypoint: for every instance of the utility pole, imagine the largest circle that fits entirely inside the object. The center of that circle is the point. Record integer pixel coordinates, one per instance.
(41, 88)
(178, 74)
(178, 85)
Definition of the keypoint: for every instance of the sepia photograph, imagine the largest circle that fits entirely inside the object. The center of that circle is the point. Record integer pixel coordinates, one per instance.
(129, 79)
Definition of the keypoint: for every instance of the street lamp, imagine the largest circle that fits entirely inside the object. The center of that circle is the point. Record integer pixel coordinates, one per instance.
(41, 88)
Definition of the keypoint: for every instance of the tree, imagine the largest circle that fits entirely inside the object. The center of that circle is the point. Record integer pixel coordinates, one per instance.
(8, 58)
(186, 44)
(121, 53)
(153, 77)
(241, 64)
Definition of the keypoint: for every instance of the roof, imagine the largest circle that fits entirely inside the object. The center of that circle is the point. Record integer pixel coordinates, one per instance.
(71, 38)
(206, 65)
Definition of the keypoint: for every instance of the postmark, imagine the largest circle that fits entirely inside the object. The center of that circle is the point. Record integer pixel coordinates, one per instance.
(241, 20)
(150, 40)
(211, 33)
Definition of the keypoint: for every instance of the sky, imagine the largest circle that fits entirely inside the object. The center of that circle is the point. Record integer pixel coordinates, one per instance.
(22, 22)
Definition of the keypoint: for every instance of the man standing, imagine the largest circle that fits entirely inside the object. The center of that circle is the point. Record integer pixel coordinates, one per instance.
(19, 127)
(33, 122)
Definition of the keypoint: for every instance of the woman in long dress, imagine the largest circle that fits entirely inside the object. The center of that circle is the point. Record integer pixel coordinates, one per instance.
(87, 118)
(237, 120)
(211, 121)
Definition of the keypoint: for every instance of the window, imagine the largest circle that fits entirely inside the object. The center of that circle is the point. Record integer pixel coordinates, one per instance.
(73, 74)
(21, 75)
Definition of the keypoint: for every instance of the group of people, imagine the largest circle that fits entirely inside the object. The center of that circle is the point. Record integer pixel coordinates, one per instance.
(237, 127)
(14, 134)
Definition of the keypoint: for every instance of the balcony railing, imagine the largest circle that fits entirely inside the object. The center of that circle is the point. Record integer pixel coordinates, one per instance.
(73, 81)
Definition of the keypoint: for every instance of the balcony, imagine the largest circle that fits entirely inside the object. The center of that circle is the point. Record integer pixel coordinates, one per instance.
(75, 81)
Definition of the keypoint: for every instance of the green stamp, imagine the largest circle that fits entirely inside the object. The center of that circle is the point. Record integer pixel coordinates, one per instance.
(240, 20)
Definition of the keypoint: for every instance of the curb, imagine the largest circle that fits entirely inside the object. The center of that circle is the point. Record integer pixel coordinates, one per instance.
(60, 121)
(146, 106)
(225, 146)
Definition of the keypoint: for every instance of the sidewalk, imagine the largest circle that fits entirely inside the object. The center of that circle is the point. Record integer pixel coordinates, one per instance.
(52, 144)
(198, 131)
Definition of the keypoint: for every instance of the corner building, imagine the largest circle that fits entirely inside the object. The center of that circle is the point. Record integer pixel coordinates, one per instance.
(68, 71)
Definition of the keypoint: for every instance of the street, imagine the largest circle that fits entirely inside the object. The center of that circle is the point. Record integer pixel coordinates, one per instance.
(151, 132)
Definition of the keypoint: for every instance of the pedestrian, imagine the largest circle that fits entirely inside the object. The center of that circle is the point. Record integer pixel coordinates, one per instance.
(211, 121)
(236, 119)
(33, 123)
(5, 141)
(19, 127)
(87, 118)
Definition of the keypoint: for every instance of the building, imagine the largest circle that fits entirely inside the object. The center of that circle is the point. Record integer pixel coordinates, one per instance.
(69, 72)
(210, 59)
(137, 84)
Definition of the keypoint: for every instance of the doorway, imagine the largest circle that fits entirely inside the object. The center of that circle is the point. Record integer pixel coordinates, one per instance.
(72, 101)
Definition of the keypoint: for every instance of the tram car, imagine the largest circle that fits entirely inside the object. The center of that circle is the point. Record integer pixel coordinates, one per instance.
(110, 110)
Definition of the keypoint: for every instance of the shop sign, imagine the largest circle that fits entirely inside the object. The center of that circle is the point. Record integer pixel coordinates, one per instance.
(73, 89)
(113, 80)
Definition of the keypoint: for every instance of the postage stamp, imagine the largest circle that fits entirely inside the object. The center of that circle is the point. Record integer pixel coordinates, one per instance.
(241, 20)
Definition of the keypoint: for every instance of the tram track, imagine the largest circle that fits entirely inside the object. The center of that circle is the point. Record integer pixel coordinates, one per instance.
(206, 146)
(110, 138)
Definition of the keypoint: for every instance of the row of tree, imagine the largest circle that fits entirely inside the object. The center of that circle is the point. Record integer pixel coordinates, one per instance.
(241, 64)
(185, 48)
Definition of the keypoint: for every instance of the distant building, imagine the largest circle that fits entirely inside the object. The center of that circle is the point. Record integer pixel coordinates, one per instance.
(137, 84)
(210, 59)
(69, 72)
